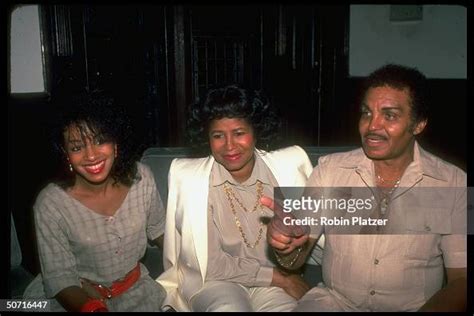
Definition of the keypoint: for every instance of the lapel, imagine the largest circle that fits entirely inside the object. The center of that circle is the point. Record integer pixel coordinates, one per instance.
(196, 191)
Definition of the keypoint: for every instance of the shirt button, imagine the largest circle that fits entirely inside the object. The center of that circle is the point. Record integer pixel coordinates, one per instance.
(372, 292)
(376, 261)
(428, 228)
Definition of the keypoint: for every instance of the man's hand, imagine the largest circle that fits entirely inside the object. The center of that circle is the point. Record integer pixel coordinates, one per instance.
(293, 284)
(159, 242)
(283, 238)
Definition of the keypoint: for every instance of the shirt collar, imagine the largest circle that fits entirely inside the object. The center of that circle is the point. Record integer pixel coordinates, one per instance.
(428, 164)
(423, 163)
(220, 175)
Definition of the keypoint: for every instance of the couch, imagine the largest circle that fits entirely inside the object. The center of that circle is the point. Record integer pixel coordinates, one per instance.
(18, 276)
(159, 159)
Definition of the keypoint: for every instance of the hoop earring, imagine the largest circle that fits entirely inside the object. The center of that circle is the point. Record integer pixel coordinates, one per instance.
(70, 168)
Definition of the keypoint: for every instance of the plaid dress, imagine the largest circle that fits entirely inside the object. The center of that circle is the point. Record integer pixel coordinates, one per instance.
(75, 242)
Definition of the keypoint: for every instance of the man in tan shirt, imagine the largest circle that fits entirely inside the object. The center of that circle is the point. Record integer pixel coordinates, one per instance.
(388, 272)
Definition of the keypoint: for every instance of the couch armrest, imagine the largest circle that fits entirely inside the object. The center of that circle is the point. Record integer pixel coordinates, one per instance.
(18, 276)
(153, 261)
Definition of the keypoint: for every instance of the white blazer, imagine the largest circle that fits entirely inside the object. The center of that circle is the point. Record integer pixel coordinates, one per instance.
(185, 245)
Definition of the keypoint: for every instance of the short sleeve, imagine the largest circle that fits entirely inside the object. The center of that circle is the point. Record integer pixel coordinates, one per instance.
(155, 211)
(58, 264)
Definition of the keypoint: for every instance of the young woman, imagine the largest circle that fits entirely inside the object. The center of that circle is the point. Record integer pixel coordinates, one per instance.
(215, 252)
(93, 224)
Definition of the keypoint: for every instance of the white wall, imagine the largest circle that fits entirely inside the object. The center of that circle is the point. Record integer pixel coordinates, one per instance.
(436, 45)
(26, 61)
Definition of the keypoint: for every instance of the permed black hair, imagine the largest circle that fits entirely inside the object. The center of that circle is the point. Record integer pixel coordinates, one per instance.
(96, 114)
(233, 101)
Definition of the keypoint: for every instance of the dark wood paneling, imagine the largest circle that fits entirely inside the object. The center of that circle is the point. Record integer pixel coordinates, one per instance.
(30, 165)
(446, 134)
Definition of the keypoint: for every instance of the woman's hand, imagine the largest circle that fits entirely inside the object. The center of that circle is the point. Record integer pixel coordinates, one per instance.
(292, 283)
(283, 238)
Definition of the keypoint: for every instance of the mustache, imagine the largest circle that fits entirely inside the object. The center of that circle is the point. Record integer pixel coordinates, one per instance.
(375, 136)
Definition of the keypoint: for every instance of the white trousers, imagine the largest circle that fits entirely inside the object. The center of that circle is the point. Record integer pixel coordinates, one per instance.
(320, 299)
(223, 296)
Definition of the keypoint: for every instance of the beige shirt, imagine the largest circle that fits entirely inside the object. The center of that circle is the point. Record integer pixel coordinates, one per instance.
(393, 272)
(230, 259)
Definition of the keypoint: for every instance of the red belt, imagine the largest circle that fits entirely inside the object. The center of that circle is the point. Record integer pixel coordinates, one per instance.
(118, 287)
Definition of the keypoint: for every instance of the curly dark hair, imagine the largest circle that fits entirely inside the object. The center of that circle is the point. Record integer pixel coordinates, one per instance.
(401, 77)
(233, 101)
(96, 114)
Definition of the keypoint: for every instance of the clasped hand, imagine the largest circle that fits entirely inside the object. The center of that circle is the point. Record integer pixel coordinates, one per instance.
(282, 237)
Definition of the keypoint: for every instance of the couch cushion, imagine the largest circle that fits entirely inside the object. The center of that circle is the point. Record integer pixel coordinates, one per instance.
(159, 159)
(315, 152)
(15, 250)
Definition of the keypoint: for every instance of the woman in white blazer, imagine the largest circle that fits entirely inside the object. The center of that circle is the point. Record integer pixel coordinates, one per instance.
(216, 256)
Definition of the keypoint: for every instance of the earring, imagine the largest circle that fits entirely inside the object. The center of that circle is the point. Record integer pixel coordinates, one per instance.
(70, 168)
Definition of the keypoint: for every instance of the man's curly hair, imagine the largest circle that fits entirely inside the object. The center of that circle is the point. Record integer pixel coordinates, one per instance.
(233, 101)
(96, 114)
(401, 77)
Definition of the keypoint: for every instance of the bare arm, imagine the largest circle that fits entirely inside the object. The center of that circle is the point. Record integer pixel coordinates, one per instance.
(451, 298)
(292, 283)
(72, 298)
(159, 241)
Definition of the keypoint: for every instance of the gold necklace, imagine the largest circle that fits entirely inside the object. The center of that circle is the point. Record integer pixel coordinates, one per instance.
(257, 203)
(231, 196)
(383, 181)
(387, 197)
